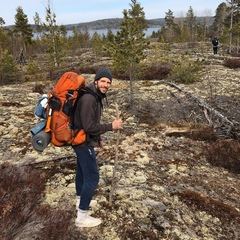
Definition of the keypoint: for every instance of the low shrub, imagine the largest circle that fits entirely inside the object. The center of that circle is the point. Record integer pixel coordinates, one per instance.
(226, 154)
(156, 72)
(232, 63)
(22, 214)
(186, 72)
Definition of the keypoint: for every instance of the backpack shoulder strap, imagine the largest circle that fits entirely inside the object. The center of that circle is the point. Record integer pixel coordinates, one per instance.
(90, 91)
(82, 91)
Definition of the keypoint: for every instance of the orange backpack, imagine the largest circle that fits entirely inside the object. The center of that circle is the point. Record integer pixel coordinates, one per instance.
(61, 103)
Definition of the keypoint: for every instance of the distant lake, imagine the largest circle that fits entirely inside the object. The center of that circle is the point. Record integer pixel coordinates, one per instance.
(114, 31)
(105, 31)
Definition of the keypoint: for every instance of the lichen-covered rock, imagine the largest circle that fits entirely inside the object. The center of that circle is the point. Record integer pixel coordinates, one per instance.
(165, 188)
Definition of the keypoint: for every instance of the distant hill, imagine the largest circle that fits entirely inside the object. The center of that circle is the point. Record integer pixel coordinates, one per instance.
(114, 23)
(110, 23)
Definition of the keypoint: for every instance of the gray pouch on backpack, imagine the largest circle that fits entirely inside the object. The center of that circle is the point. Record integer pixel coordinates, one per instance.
(38, 128)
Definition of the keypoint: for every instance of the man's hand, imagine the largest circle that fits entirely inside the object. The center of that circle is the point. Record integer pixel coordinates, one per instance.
(117, 124)
(101, 144)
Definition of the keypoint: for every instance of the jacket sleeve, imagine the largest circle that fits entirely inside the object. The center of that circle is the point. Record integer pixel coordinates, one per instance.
(90, 114)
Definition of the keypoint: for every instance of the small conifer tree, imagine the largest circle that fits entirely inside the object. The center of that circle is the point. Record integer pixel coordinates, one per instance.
(22, 28)
(55, 44)
(127, 49)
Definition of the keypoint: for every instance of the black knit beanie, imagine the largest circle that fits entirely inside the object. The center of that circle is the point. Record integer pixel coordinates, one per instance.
(103, 72)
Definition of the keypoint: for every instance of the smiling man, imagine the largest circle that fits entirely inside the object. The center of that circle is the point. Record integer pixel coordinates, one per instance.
(87, 117)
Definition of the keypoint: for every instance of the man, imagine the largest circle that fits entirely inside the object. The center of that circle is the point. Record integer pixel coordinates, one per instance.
(215, 45)
(87, 117)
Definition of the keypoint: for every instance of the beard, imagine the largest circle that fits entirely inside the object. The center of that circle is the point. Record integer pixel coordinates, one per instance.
(100, 93)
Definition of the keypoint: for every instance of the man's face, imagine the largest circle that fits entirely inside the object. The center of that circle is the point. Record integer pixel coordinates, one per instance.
(103, 84)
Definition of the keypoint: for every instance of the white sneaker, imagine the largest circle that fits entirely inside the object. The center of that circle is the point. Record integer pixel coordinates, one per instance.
(87, 221)
(92, 203)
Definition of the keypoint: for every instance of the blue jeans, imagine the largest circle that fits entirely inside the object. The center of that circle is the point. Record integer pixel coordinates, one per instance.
(87, 175)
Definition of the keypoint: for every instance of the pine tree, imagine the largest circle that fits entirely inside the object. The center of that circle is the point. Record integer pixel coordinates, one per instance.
(2, 22)
(191, 22)
(8, 70)
(22, 28)
(38, 23)
(5, 41)
(110, 36)
(127, 50)
(96, 44)
(232, 22)
(171, 30)
(55, 44)
(219, 18)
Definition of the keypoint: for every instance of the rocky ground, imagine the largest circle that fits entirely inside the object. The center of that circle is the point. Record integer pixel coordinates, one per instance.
(166, 186)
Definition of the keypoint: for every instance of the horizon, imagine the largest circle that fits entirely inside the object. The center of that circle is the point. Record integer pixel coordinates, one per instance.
(74, 12)
(108, 19)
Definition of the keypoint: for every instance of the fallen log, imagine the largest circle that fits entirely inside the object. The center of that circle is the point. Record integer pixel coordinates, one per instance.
(203, 104)
(229, 128)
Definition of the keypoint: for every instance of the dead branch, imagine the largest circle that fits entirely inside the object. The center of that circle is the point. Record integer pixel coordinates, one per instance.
(59, 160)
(210, 122)
(203, 104)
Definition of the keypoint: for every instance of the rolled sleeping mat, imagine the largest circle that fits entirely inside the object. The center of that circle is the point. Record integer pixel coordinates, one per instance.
(41, 140)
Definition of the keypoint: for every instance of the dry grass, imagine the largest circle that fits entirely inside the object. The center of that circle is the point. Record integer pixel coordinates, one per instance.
(22, 215)
(226, 154)
(214, 207)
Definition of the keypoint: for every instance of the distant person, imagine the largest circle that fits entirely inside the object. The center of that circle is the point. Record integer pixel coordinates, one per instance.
(22, 60)
(215, 45)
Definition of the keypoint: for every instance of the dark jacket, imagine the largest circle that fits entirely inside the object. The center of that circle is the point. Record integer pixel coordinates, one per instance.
(215, 42)
(88, 115)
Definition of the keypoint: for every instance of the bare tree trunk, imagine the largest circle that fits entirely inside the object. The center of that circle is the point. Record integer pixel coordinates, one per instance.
(230, 37)
(131, 88)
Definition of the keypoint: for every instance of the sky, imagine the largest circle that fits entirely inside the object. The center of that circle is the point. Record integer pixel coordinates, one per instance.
(78, 11)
